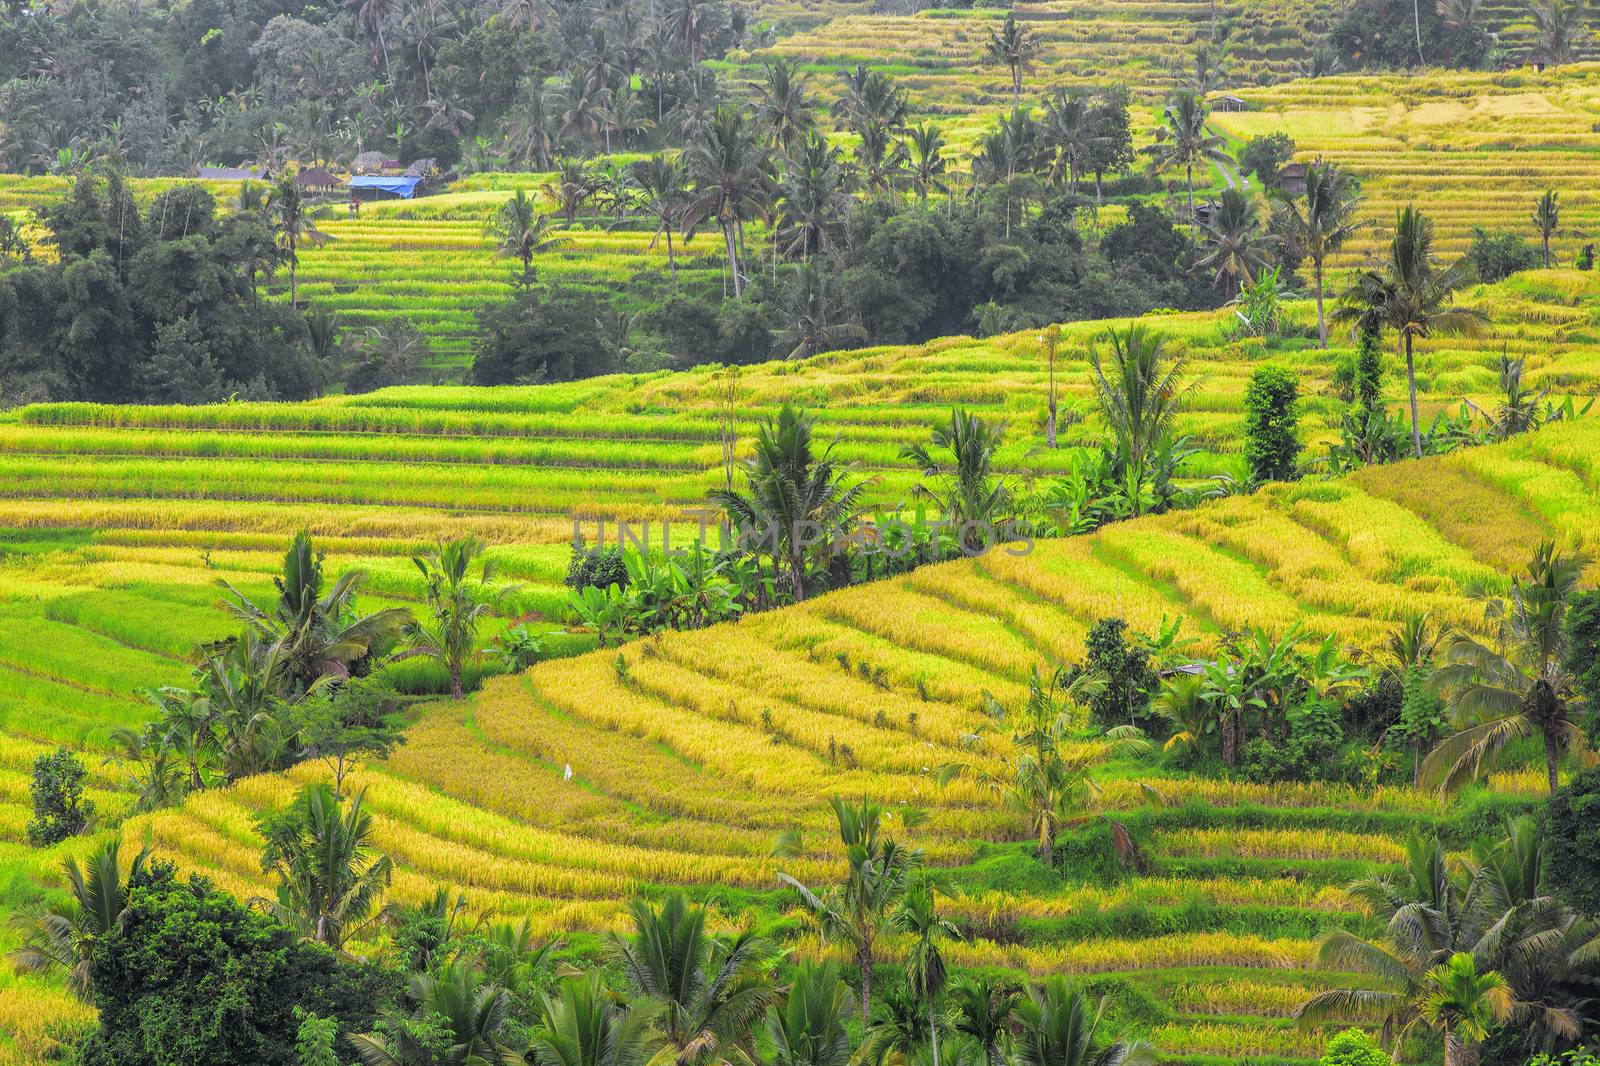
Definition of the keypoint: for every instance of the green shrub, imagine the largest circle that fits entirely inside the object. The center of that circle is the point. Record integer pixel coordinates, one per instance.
(59, 807)
(1271, 404)
(1353, 1048)
(1496, 256)
(1571, 827)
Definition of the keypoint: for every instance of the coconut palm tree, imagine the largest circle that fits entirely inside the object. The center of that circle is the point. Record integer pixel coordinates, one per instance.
(1517, 685)
(578, 106)
(1546, 218)
(1463, 1005)
(786, 108)
(1557, 27)
(186, 724)
(711, 991)
(809, 1027)
(61, 934)
(522, 231)
(572, 185)
(664, 193)
(1058, 1024)
(531, 129)
(813, 199)
(733, 181)
(965, 490)
(1237, 246)
(1321, 224)
(1070, 130)
(861, 911)
(1413, 295)
(927, 163)
(470, 1014)
(918, 917)
(456, 606)
(329, 874)
(294, 224)
(868, 98)
(1185, 140)
(814, 317)
(982, 1005)
(1140, 391)
(797, 497)
(1017, 47)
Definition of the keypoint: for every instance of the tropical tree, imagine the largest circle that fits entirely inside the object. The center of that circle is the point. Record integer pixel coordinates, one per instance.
(918, 917)
(1049, 778)
(927, 163)
(711, 991)
(1016, 46)
(1185, 140)
(861, 911)
(522, 231)
(293, 223)
(1071, 129)
(1413, 295)
(315, 628)
(965, 490)
(60, 935)
(1546, 218)
(664, 188)
(1321, 224)
(456, 606)
(786, 107)
(1516, 685)
(1140, 390)
(1236, 246)
(329, 874)
(1464, 1005)
(982, 1005)
(460, 1008)
(583, 1024)
(572, 185)
(1058, 1024)
(814, 316)
(809, 1027)
(733, 181)
(186, 724)
(797, 496)
(1557, 27)
(813, 198)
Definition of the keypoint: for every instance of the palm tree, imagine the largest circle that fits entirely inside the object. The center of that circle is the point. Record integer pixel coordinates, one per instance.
(861, 911)
(809, 1027)
(813, 199)
(320, 632)
(814, 317)
(1058, 1023)
(1546, 217)
(786, 106)
(918, 917)
(1557, 25)
(1518, 686)
(869, 98)
(711, 991)
(531, 129)
(1322, 224)
(522, 231)
(1464, 1005)
(62, 934)
(796, 496)
(578, 106)
(1185, 140)
(329, 876)
(983, 1005)
(965, 492)
(186, 724)
(927, 162)
(1071, 129)
(1237, 247)
(1017, 47)
(1140, 392)
(664, 190)
(471, 1015)
(1412, 295)
(457, 608)
(733, 182)
(583, 1024)
(294, 223)
(1048, 780)
(573, 184)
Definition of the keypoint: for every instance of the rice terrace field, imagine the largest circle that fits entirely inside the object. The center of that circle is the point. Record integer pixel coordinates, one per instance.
(827, 533)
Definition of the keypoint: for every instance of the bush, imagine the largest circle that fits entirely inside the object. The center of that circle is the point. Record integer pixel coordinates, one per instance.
(1353, 1048)
(596, 568)
(1311, 752)
(1367, 386)
(1571, 828)
(1265, 156)
(59, 807)
(1582, 625)
(1271, 402)
(544, 333)
(1496, 256)
(1127, 673)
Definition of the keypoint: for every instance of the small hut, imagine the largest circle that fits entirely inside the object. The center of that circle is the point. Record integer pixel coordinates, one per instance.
(1227, 102)
(1292, 179)
(316, 180)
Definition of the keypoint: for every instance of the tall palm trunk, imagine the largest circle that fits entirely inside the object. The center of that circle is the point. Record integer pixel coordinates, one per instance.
(1416, 18)
(864, 962)
(733, 259)
(1411, 383)
(933, 1033)
(1188, 173)
(1552, 758)
(1322, 323)
(672, 263)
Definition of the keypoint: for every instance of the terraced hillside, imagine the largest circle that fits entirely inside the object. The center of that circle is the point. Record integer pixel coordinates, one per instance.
(689, 753)
(1474, 149)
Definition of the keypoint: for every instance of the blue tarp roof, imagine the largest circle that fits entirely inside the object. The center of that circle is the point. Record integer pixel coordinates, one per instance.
(403, 187)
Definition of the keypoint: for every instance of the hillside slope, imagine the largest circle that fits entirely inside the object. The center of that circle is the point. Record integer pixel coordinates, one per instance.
(690, 752)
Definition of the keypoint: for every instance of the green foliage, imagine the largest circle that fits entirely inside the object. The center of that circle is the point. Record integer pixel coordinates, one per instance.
(314, 1040)
(164, 998)
(1571, 832)
(1271, 403)
(1496, 256)
(1353, 1047)
(1265, 155)
(1124, 667)
(596, 567)
(60, 809)
(543, 333)
(1582, 632)
(1368, 383)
